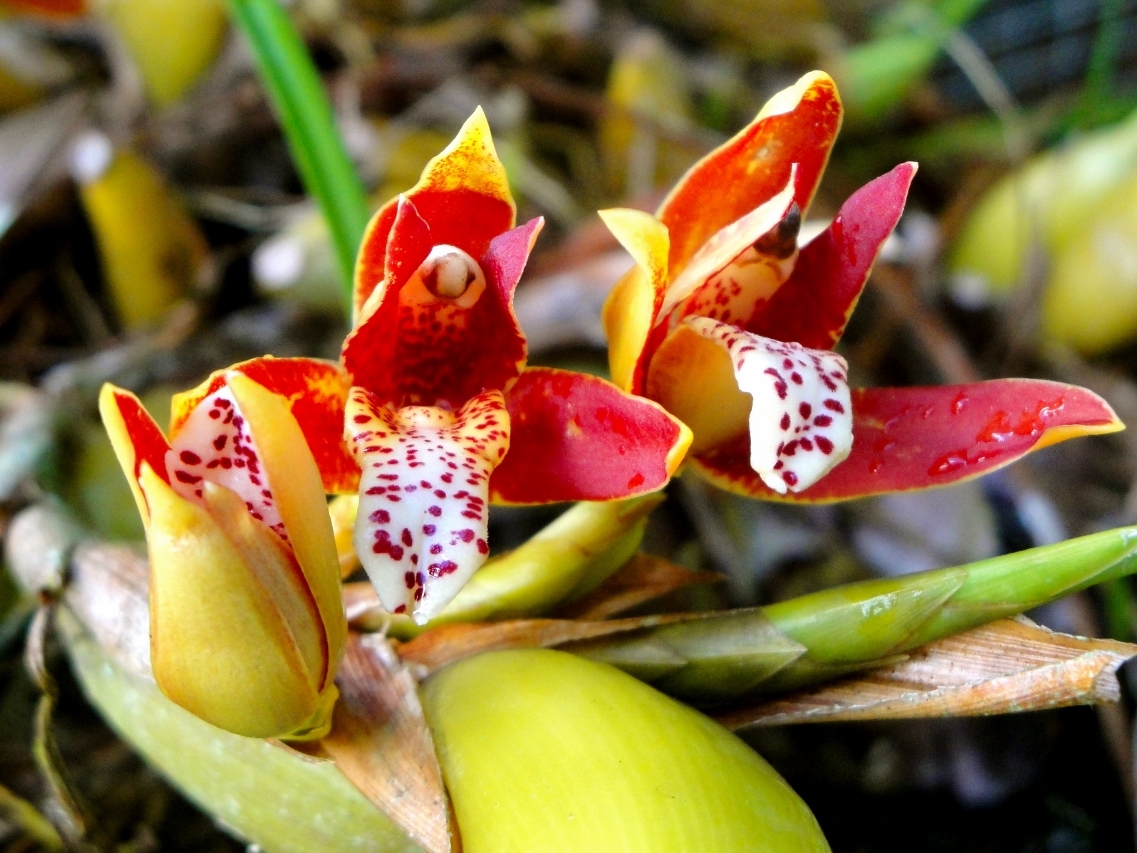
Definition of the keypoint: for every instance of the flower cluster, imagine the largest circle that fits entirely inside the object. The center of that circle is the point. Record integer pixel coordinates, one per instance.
(720, 334)
(728, 324)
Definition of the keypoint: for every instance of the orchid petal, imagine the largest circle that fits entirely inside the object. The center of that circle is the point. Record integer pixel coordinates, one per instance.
(634, 304)
(800, 423)
(464, 195)
(813, 306)
(579, 437)
(220, 645)
(914, 438)
(421, 529)
(417, 348)
(136, 440)
(796, 126)
(316, 391)
(741, 266)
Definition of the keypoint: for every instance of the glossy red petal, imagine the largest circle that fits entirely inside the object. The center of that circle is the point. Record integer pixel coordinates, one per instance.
(316, 391)
(814, 304)
(416, 350)
(578, 437)
(916, 438)
(797, 126)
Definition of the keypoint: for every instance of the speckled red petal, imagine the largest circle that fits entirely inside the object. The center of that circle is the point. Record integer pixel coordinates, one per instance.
(813, 305)
(797, 126)
(916, 438)
(316, 391)
(421, 530)
(578, 437)
(411, 351)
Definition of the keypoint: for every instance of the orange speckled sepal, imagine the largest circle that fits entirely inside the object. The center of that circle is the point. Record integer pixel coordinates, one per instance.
(411, 351)
(463, 194)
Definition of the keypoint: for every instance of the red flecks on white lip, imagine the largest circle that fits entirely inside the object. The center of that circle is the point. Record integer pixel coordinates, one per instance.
(421, 531)
(801, 420)
(215, 444)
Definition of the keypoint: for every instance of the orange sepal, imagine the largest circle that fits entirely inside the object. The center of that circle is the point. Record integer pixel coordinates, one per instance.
(796, 126)
(693, 378)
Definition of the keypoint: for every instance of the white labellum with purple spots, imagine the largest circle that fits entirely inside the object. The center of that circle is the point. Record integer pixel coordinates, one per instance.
(801, 420)
(215, 444)
(421, 529)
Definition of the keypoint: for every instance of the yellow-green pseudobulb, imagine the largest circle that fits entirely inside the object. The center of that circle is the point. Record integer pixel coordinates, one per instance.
(542, 750)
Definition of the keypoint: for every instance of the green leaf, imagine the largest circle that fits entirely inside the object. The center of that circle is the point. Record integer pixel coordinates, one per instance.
(302, 106)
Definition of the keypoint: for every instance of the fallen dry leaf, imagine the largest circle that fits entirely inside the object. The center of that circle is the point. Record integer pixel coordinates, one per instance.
(380, 741)
(1008, 666)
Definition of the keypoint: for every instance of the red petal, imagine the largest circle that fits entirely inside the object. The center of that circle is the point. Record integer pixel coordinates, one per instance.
(578, 437)
(798, 125)
(316, 392)
(916, 438)
(816, 301)
(432, 354)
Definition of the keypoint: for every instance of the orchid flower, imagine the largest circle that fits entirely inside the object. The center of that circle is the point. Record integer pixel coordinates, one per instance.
(247, 626)
(730, 326)
(433, 401)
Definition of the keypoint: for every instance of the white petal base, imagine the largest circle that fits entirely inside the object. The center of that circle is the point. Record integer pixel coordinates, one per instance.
(801, 421)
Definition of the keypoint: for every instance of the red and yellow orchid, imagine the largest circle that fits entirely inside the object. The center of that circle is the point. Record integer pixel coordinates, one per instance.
(730, 327)
(433, 402)
(247, 627)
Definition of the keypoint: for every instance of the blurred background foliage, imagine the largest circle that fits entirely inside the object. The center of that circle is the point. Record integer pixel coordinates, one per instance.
(153, 227)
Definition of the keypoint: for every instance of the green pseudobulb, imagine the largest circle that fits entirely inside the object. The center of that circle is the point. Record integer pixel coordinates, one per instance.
(543, 750)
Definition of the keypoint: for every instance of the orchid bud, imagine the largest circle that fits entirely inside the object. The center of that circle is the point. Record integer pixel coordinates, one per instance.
(247, 626)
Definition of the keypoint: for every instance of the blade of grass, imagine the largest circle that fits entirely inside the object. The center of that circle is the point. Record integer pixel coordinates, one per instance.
(309, 127)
